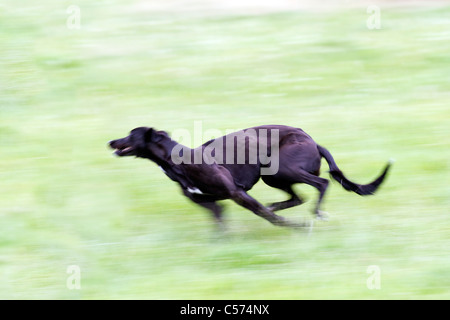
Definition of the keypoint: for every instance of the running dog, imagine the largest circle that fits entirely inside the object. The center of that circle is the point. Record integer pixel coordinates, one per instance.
(288, 155)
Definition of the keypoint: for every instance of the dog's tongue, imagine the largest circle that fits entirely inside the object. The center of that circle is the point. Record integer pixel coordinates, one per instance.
(121, 152)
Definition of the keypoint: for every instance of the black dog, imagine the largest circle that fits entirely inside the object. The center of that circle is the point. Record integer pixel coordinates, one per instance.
(226, 167)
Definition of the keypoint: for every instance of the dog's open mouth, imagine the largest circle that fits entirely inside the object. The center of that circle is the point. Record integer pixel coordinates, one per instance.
(128, 151)
(121, 149)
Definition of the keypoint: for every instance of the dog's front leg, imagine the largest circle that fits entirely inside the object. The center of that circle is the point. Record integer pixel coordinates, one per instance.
(243, 199)
(208, 202)
(216, 210)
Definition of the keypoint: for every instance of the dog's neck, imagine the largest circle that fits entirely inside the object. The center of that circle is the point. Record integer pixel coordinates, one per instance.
(174, 171)
(169, 145)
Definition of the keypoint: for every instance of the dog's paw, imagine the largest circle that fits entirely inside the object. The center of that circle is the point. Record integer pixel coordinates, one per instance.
(322, 215)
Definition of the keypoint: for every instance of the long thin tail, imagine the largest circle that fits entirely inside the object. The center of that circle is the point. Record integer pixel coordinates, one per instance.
(336, 173)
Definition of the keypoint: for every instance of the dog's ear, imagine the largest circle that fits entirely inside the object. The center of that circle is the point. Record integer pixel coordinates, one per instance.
(148, 135)
(155, 136)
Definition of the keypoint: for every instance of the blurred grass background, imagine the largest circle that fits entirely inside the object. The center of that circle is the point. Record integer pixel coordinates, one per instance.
(367, 95)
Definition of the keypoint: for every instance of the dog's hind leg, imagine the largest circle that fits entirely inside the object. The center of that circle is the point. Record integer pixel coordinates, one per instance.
(295, 200)
(321, 184)
(243, 199)
(286, 186)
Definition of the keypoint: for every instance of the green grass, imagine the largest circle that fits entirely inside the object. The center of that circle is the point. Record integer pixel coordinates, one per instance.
(367, 95)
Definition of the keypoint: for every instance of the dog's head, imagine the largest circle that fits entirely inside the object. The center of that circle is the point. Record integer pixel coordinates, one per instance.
(143, 142)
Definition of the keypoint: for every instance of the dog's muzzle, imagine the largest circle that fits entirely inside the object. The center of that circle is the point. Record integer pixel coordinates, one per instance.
(121, 149)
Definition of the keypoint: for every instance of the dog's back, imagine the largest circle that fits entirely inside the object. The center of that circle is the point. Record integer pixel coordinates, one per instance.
(244, 153)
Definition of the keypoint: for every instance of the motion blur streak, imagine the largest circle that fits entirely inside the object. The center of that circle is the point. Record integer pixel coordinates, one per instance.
(73, 75)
